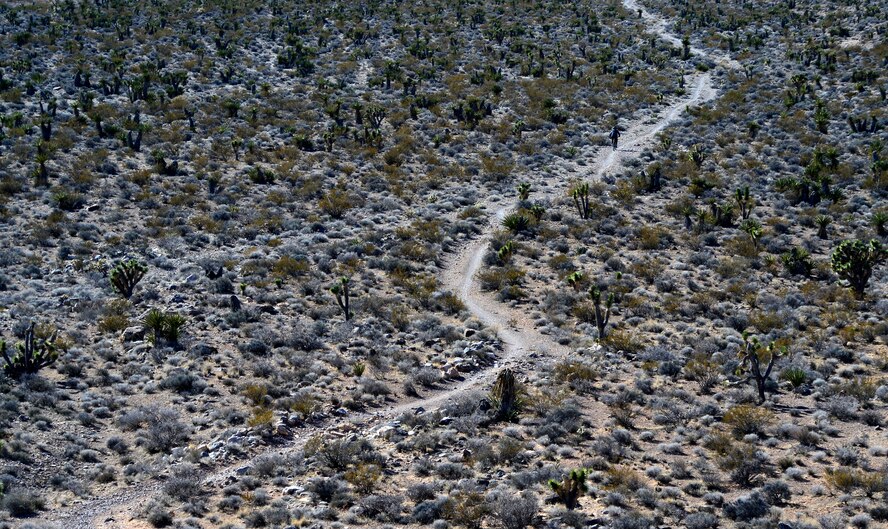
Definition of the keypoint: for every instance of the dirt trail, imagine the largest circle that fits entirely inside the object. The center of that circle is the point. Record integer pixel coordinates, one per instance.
(515, 330)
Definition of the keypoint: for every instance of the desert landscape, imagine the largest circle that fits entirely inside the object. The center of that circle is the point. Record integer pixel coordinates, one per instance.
(453, 264)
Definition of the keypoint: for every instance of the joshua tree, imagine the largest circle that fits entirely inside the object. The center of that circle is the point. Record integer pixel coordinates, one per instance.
(571, 487)
(523, 191)
(580, 195)
(744, 201)
(537, 211)
(654, 183)
(752, 357)
(822, 222)
(30, 356)
(576, 279)
(505, 396)
(697, 155)
(854, 261)
(601, 316)
(126, 275)
(821, 116)
(504, 254)
(341, 290)
(753, 228)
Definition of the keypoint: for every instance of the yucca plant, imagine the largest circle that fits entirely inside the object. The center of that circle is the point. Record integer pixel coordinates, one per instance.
(516, 222)
(822, 221)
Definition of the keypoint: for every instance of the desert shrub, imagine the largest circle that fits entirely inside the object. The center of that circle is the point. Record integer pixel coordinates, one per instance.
(184, 484)
(516, 512)
(385, 508)
(466, 508)
(427, 511)
(847, 480)
(363, 477)
(336, 202)
(745, 419)
(327, 489)
(747, 508)
(623, 340)
(158, 515)
(21, 503)
(776, 492)
(701, 520)
(163, 431)
(744, 462)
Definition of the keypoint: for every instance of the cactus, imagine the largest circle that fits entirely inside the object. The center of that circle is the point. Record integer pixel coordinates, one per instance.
(30, 356)
(601, 316)
(505, 396)
(854, 261)
(752, 357)
(580, 195)
(341, 291)
(571, 487)
(126, 275)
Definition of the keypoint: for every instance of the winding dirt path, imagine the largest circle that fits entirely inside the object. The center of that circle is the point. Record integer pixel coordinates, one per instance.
(519, 337)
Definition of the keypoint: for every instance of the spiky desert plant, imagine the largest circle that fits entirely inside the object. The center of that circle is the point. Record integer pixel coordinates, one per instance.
(602, 316)
(523, 191)
(697, 155)
(30, 356)
(504, 254)
(571, 487)
(163, 326)
(537, 211)
(822, 221)
(753, 228)
(343, 296)
(126, 275)
(516, 222)
(854, 261)
(879, 220)
(797, 262)
(505, 396)
(575, 279)
(744, 201)
(580, 195)
(756, 363)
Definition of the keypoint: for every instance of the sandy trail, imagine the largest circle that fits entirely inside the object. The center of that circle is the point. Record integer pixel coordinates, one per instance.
(517, 333)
